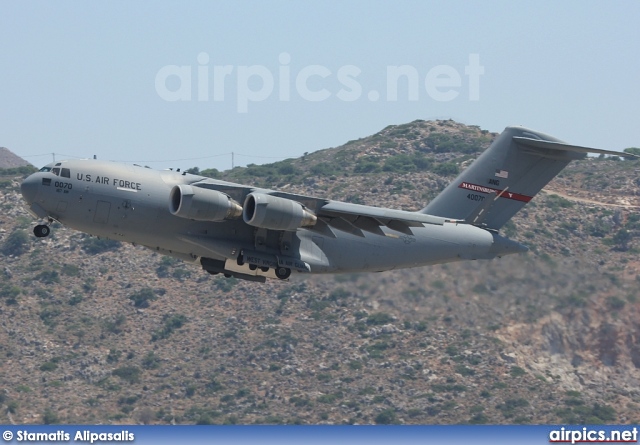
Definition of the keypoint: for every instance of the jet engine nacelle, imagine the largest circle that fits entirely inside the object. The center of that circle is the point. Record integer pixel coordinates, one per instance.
(272, 212)
(202, 204)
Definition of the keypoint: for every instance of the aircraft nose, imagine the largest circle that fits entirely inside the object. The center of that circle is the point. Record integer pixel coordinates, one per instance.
(29, 188)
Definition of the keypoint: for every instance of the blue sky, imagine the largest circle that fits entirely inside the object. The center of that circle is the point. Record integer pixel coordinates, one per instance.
(89, 78)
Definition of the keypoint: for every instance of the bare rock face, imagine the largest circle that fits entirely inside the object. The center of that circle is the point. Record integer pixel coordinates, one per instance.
(10, 160)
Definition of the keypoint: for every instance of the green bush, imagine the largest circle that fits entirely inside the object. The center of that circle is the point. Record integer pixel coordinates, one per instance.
(48, 366)
(48, 277)
(115, 326)
(151, 361)
(24, 170)
(113, 356)
(94, 246)
(142, 298)
(386, 417)
(446, 169)
(211, 173)
(555, 202)
(379, 318)
(16, 243)
(48, 315)
(129, 374)
(510, 405)
(171, 323)
(70, 270)
(367, 164)
(50, 417)
(615, 303)
(12, 406)
(633, 151)
(324, 169)
(399, 164)
(621, 239)
(10, 292)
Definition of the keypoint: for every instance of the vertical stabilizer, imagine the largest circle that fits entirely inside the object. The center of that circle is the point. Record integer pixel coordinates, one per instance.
(517, 165)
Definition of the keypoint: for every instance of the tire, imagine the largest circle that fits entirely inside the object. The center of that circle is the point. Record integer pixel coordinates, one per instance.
(283, 273)
(41, 231)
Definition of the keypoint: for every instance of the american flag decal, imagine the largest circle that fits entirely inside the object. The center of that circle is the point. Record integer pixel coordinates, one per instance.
(502, 174)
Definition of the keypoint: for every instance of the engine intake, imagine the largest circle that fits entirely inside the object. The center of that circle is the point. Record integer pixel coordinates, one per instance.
(272, 212)
(202, 204)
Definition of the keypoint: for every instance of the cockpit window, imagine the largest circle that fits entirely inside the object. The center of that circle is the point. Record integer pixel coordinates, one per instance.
(45, 169)
(56, 171)
(65, 173)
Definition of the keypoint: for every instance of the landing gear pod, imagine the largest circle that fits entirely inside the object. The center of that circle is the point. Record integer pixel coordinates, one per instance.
(281, 265)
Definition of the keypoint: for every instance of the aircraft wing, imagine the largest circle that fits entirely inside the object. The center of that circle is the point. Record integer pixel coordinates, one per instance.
(352, 218)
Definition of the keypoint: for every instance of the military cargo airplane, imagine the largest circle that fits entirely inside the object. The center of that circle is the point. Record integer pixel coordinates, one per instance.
(253, 234)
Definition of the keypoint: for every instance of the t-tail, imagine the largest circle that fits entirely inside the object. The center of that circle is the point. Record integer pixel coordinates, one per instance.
(517, 165)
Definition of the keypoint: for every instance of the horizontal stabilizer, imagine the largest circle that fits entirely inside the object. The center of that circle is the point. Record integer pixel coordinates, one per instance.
(538, 145)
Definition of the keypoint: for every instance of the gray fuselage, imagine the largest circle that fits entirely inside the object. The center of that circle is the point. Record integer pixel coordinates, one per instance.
(131, 204)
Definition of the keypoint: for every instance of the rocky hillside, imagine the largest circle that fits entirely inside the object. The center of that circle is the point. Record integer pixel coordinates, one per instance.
(97, 332)
(10, 160)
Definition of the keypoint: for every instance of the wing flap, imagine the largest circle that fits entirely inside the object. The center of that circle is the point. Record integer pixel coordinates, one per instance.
(368, 224)
(401, 226)
(356, 217)
(344, 225)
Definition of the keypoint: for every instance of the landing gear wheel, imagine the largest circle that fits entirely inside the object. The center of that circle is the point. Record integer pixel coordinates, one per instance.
(41, 231)
(252, 267)
(264, 269)
(283, 273)
(240, 260)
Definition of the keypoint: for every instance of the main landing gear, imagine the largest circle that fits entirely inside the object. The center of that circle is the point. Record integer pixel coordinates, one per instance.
(281, 272)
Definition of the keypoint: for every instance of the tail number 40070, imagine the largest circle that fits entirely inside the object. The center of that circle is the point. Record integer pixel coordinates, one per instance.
(474, 197)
